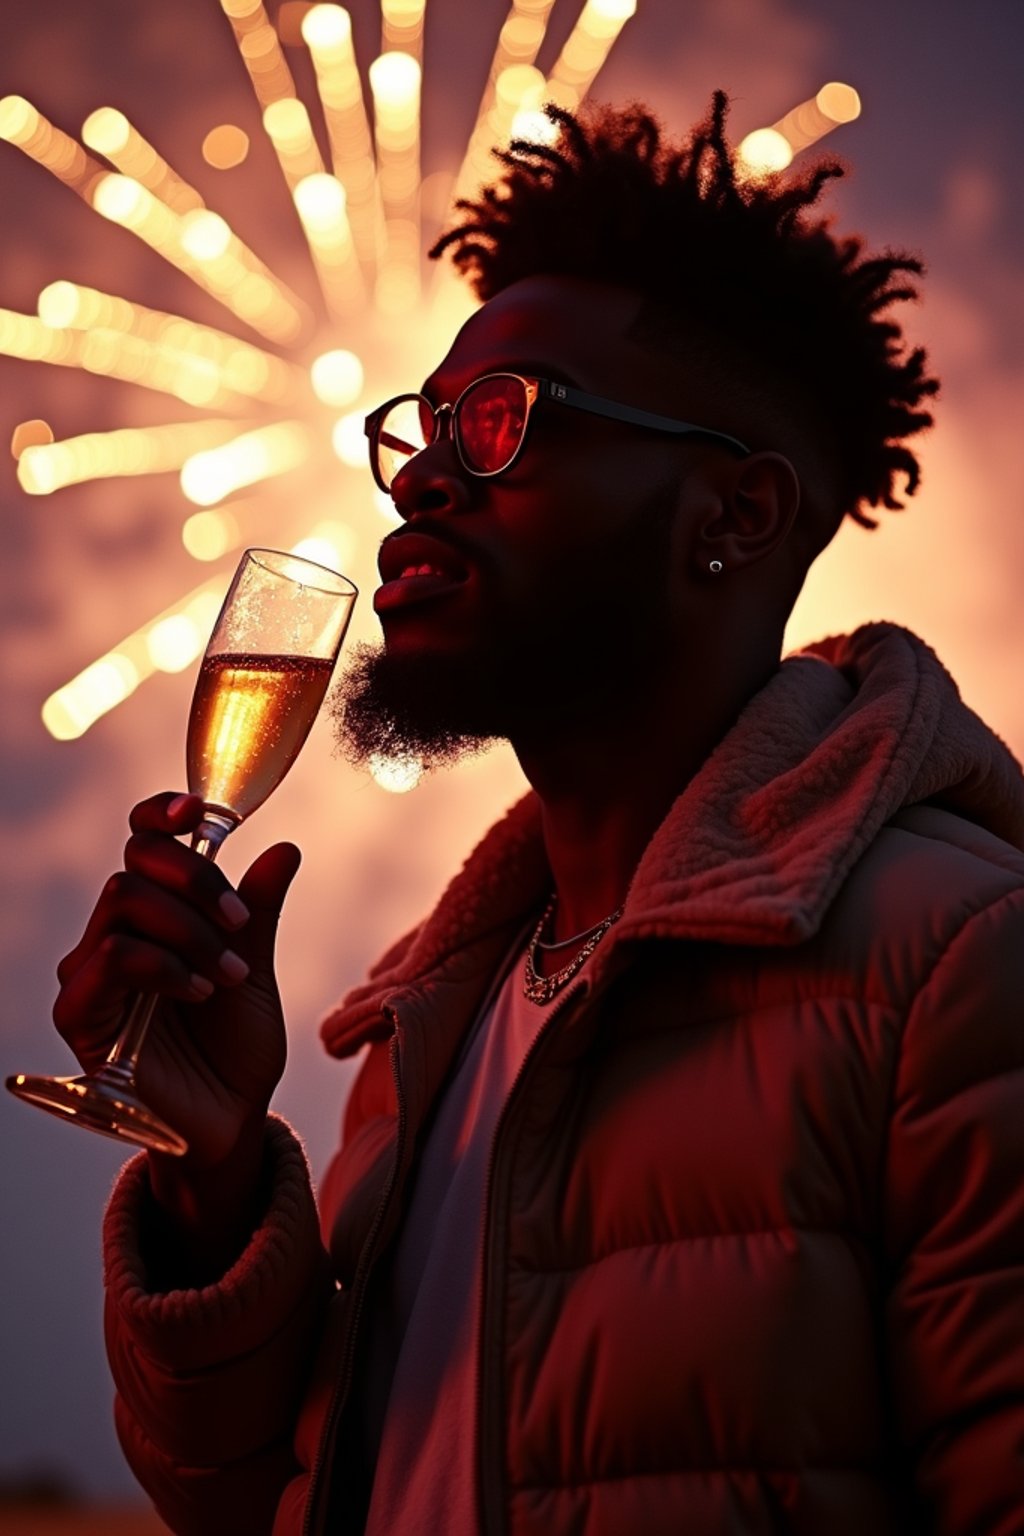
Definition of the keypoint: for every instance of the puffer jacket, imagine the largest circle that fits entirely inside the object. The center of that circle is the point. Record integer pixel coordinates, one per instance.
(754, 1234)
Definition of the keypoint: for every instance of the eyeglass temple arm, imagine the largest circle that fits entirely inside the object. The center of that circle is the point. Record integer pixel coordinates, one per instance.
(615, 412)
(388, 439)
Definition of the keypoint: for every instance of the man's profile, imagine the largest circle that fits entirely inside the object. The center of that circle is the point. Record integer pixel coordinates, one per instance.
(680, 1188)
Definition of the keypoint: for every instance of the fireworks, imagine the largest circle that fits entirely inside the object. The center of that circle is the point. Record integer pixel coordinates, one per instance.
(354, 176)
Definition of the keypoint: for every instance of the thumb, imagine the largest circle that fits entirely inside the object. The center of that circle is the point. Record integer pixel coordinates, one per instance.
(263, 888)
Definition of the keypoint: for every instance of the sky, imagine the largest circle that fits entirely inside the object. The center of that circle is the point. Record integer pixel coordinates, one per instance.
(933, 167)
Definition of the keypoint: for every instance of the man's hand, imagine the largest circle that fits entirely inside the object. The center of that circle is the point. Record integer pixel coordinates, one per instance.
(171, 923)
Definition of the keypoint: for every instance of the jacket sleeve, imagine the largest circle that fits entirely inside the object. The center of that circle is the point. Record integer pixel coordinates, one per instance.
(209, 1381)
(954, 1226)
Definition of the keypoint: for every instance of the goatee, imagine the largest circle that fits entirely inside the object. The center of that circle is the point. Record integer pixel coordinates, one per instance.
(399, 707)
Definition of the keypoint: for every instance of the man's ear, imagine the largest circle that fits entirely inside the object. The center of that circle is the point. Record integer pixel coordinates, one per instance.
(758, 501)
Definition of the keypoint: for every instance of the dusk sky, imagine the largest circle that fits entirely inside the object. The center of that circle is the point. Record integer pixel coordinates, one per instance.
(934, 167)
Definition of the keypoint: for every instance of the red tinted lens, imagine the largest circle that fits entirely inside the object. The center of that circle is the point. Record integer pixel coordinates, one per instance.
(491, 422)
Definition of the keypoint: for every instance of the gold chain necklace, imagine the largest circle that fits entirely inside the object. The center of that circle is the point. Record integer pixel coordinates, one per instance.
(541, 989)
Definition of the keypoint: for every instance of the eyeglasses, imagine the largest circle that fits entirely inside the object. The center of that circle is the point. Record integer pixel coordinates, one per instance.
(488, 424)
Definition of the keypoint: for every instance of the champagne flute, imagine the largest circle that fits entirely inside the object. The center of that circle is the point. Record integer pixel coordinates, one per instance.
(261, 682)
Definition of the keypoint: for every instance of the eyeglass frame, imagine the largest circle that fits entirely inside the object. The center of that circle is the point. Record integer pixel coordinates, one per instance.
(536, 389)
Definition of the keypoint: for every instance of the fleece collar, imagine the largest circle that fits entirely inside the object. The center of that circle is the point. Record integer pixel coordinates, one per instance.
(755, 849)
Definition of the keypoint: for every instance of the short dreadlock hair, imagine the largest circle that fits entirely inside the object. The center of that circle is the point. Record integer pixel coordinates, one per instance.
(735, 275)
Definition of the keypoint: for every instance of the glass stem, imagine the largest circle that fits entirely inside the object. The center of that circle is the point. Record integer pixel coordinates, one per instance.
(119, 1067)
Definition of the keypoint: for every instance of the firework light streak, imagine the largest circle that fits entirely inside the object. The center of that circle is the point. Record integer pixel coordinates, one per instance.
(360, 216)
(111, 135)
(772, 149)
(327, 32)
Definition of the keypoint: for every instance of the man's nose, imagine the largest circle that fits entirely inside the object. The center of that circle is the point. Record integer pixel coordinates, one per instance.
(433, 481)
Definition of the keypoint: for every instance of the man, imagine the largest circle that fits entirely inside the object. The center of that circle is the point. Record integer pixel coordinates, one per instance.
(681, 1186)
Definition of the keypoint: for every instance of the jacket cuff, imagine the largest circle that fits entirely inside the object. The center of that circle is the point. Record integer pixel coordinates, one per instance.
(191, 1329)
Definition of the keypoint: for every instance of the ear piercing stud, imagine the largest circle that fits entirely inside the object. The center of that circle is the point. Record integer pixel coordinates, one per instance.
(715, 566)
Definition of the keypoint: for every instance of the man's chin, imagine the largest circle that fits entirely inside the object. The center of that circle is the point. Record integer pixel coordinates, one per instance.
(398, 706)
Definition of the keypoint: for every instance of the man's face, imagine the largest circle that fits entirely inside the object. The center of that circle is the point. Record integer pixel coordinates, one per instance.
(562, 596)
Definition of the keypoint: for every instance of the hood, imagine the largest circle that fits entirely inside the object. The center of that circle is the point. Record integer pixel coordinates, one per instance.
(844, 735)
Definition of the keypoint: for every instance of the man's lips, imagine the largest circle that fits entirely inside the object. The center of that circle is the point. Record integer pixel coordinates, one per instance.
(416, 566)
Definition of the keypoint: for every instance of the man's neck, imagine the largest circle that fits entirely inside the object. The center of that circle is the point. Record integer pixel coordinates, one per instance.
(607, 783)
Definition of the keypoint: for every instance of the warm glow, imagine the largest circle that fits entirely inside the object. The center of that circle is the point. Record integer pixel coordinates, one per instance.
(58, 304)
(22, 124)
(236, 277)
(395, 774)
(518, 88)
(327, 31)
(327, 27)
(330, 543)
(811, 120)
(50, 466)
(765, 150)
(337, 377)
(174, 643)
(402, 13)
(362, 223)
(207, 478)
(110, 133)
(188, 352)
(615, 11)
(395, 81)
(106, 130)
(122, 356)
(402, 26)
(348, 439)
(385, 506)
(208, 535)
(535, 127)
(225, 147)
(260, 49)
(30, 434)
(286, 119)
(320, 201)
(19, 120)
(205, 235)
(289, 130)
(520, 38)
(838, 102)
(122, 199)
(586, 49)
(70, 711)
(113, 677)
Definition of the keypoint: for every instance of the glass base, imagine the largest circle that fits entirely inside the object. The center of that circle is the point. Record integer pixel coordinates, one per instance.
(103, 1103)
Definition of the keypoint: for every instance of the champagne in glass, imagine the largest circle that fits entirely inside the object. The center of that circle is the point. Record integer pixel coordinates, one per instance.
(260, 685)
(250, 715)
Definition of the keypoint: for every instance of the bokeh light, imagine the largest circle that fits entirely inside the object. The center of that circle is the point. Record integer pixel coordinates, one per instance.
(225, 146)
(337, 377)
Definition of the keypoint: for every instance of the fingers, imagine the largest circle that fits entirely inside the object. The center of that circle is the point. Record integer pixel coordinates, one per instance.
(167, 812)
(176, 868)
(263, 888)
(89, 1010)
(265, 883)
(202, 916)
(134, 906)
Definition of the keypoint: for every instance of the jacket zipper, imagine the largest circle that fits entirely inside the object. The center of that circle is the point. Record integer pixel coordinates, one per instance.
(358, 1291)
(489, 1428)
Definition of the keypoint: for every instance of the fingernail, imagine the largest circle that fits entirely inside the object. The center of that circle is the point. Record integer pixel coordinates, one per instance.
(233, 966)
(234, 909)
(200, 987)
(177, 804)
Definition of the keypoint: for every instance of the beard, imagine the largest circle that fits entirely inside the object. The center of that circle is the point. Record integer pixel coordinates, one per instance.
(588, 641)
(400, 707)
